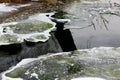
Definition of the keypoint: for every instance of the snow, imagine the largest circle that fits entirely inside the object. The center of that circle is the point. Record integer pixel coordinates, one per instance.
(100, 1)
(34, 75)
(21, 37)
(111, 1)
(20, 64)
(42, 17)
(5, 8)
(87, 78)
(23, 62)
(44, 57)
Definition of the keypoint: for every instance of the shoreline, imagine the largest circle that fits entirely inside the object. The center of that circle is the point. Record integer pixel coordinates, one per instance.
(35, 7)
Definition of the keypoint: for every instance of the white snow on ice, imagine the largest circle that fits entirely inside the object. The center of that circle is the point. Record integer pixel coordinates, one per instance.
(87, 78)
(5, 8)
(29, 60)
(36, 17)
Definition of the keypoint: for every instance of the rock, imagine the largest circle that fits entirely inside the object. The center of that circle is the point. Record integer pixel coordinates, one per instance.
(32, 31)
(70, 65)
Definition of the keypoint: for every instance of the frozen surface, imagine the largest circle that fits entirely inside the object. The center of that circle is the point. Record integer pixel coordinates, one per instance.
(100, 62)
(88, 78)
(5, 8)
(34, 29)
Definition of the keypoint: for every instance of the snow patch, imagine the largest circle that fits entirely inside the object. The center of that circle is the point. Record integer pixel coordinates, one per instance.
(42, 17)
(34, 75)
(21, 37)
(88, 78)
(5, 8)
(44, 57)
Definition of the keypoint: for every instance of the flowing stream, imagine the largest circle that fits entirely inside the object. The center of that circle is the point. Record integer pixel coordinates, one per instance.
(95, 29)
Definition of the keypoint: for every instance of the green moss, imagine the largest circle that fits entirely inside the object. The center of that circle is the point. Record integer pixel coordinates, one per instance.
(40, 37)
(30, 27)
(53, 69)
(32, 39)
(92, 71)
(75, 53)
(64, 58)
(79, 53)
(9, 39)
(114, 48)
(72, 69)
(15, 73)
(113, 71)
(114, 74)
(100, 55)
(60, 15)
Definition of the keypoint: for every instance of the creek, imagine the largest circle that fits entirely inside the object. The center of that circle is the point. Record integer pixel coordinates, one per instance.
(94, 24)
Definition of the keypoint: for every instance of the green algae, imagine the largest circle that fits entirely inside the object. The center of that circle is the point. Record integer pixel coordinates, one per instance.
(40, 37)
(72, 66)
(59, 15)
(77, 53)
(113, 71)
(27, 30)
(32, 39)
(73, 69)
(15, 73)
(9, 39)
(68, 66)
(92, 71)
(64, 58)
(29, 27)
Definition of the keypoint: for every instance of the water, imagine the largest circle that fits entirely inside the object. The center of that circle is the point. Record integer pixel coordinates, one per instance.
(94, 23)
(88, 64)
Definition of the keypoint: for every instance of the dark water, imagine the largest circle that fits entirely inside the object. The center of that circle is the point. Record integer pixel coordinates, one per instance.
(64, 37)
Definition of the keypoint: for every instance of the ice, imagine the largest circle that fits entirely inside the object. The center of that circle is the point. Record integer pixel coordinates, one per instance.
(4, 8)
(87, 78)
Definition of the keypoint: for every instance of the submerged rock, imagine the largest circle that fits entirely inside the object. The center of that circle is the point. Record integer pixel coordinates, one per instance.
(85, 64)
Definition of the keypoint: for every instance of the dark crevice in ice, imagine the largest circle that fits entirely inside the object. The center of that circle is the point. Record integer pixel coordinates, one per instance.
(64, 37)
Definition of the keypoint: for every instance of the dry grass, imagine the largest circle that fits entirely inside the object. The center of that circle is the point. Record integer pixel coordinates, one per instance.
(53, 2)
